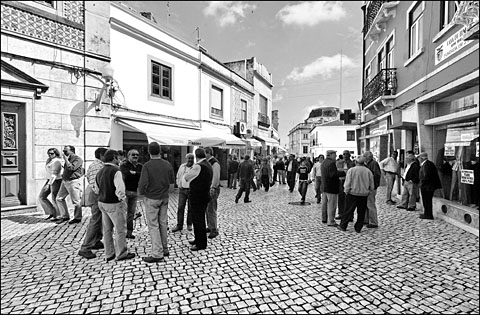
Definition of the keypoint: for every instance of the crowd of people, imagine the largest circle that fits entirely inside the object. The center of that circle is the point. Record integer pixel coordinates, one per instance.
(116, 181)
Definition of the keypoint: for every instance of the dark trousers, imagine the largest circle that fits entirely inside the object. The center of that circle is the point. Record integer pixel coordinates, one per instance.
(291, 180)
(244, 187)
(265, 182)
(94, 232)
(352, 202)
(199, 208)
(275, 172)
(341, 198)
(131, 208)
(183, 200)
(232, 180)
(252, 184)
(427, 196)
(302, 188)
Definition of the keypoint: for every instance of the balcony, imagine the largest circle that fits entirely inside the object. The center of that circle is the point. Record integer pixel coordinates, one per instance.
(382, 87)
(376, 17)
(263, 120)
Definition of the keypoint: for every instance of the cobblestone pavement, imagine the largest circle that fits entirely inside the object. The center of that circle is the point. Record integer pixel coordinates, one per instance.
(270, 257)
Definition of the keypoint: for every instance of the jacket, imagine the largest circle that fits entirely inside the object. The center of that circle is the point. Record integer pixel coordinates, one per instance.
(429, 179)
(413, 173)
(359, 181)
(330, 177)
(375, 169)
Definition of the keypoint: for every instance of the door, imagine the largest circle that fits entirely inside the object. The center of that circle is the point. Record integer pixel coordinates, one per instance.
(13, 164)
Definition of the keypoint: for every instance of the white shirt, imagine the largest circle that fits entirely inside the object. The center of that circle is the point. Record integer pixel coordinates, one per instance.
(118, 182)
(316, 170)
(181, 182)
(193, 173)
(407, 168)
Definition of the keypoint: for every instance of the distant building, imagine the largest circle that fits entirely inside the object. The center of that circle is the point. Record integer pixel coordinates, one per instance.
(332, 135)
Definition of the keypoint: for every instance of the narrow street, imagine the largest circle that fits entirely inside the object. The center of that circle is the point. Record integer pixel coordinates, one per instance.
(270, 257)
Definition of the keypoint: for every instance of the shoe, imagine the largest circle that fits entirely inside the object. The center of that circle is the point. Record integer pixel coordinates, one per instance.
(236, 199)
(128, 256)
(333, 225)
(137, 215)
(341, 229)
(422, 216)
(247, 201)
(358, 231)
(99, 245)
(166, 254)
(49, 217)
(338, 217)
(192, 242)
(177, 228)
(150, 259)
(393, 202)
(207, 230)
(194, 248)
(55, 219)
(130, 236)
(302, 202)
(372, 226)
(401, 207)
(111, 258)
(213, 235)
(324, 221)
(75, 221)
(61, 220)
(319, 200)
(87, 254)
(189, 227)
(411, 209)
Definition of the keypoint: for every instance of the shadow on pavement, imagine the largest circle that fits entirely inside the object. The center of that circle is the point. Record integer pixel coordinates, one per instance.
(27, 219)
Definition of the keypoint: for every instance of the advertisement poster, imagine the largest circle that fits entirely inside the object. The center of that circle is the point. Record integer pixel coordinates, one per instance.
(449, 150)
(467, 177)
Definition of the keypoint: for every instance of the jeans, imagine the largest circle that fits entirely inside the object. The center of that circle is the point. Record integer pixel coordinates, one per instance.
(232, 180)
(329, 205)
(244, 187)
(157, 214)
(409, 195)
(371, 214)
(390, 179)
(183, 199)
(114, 216)
(352, 202)
(281, 176)
(48, 207)
(74, 189)
(266, 182)
(341, 198)
(291, 180)
(318, 191)
(302, 188)
(212, 210)
(131, 208)
(94, 232)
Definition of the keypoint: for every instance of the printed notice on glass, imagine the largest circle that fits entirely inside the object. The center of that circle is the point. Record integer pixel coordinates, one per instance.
(449, 150)
(478, 151)
(467, 177)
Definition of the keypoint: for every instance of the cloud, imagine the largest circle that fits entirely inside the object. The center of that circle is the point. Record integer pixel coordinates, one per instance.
(250, 44)
(324, 66)
(278, 97)
(228, 12)
(311, 13)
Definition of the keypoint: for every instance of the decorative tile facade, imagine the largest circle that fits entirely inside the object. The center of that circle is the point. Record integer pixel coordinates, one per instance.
(29, 24)
(73, 11)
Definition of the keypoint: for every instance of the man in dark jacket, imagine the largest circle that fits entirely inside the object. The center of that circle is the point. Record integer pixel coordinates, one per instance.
(131, 171)
(292, 168)
(245, 173)
(371, 215)
(232, 173)
(330, 187)
(410, 184)
(429, 182)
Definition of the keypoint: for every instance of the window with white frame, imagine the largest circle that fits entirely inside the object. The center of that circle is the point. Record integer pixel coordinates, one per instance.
(305, 136)
(243, 111)
(161, 81)
(381, 60)
(368, 74)
(415, 26)
(389, 49)
(447, 10)
(216, 101)
(305, 149)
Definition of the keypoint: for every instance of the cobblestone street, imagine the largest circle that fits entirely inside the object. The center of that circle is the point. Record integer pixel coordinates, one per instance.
(270, 257)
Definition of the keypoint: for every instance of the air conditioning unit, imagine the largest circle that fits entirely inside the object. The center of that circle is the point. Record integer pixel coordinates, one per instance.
(242, 127)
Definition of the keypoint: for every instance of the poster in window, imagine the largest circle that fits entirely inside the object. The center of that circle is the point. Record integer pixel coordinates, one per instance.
(477, 150)
(449, 150)
(467, 177)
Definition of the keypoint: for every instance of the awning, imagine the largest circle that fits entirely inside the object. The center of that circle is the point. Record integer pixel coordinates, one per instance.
(224, 133)
(169, 135)
(404, 125)
(269, 141)
(253, 142)
(282, 149)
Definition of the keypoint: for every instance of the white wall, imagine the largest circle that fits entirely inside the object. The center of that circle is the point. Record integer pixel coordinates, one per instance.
(206, 82)
(333, 138)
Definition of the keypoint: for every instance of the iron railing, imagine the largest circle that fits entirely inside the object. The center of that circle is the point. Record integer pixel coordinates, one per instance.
(263, 120)
(384, 83)
(371, 14)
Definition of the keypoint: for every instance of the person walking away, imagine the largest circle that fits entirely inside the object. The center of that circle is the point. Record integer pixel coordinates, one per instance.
(94, 234)
(316, 174)
(54, 168)
(232, 171)
(212, 227)
(429, 182)
(184, 194)
(390, 169)
(371, 215)
(330, 187)
(292, 168)
(410, 180)
(303, 180)
(200, 179)
(358, 185)
(156, 182)
(281, 170)
(245, 173)
(266, 174)
(345, 163)
(112, 203)
(71, 185)
(275, 169)
(131, 170)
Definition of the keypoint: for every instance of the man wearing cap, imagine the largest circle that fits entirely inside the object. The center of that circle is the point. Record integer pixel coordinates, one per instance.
(358, 185)
(371, 215)
(330, 187)
(390, 168)
(429, 182)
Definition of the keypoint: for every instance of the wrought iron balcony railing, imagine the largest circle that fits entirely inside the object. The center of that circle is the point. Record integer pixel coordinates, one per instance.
(263, 120)
(384, 83)
(371, 14)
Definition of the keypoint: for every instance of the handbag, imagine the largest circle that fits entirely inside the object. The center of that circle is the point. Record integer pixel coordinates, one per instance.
(89, 197)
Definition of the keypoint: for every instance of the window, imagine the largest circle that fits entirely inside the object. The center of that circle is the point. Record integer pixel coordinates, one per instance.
(263, 105)
(243, 111)
(389, 50)
(216, 101)
(305, 149)
(305, 136)
(447, 10)
(415, 25)
(161, 81)
(350, 135)
(368, 74)
(381, 60)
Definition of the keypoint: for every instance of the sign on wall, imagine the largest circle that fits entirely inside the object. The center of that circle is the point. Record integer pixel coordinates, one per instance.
(467, 177)
(450, 46)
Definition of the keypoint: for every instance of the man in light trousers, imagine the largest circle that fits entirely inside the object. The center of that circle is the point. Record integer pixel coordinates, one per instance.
(212, 227)
(371, 215)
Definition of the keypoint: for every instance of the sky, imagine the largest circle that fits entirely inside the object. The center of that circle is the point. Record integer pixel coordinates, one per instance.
(302, 44)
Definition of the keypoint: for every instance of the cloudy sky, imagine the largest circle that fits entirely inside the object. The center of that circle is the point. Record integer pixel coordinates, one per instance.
(301, 43)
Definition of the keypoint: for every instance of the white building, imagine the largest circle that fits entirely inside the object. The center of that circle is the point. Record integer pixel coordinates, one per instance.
(332, 135)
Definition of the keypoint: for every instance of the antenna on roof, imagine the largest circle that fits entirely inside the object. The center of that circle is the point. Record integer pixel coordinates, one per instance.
(198, 35)
(168, 12)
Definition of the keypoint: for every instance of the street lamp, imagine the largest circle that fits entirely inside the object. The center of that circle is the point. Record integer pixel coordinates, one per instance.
(107, 75)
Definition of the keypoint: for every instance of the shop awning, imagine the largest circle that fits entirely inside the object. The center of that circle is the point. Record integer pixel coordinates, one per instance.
(269, 141)
(282, 149)
(224, 133)
(253, 142)
(404, 125)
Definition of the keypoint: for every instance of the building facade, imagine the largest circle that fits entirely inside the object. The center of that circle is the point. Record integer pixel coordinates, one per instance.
(53, 53)
(334, 135)
(299, 139)
(420, 93)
